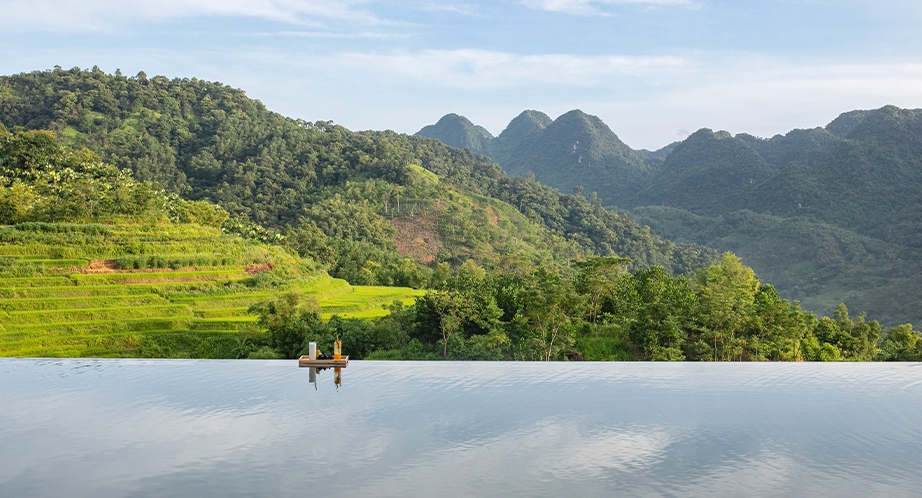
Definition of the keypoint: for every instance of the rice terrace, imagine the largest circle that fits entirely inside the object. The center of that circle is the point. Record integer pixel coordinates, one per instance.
(72, 290)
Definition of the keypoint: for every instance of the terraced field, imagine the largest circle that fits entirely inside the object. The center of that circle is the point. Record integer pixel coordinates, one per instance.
(61, 293)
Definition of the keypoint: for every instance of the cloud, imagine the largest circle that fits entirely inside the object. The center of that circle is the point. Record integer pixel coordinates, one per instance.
(644, 99)
(550, 450)
(484, 69)
(463, 9)
(594, 7)
(377, 35)
(99, 15)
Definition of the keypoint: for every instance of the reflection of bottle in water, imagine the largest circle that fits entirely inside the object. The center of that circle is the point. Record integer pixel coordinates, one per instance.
(313, 377)
(338, 376)
(337, 349)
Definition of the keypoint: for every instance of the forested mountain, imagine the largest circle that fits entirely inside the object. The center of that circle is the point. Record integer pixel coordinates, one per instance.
(574, 150)
(808, 147)
(513, 269)
(871, 182)
(525, 126)
(705, 174)
(828, 214)
(846, 122)
(458, 131)
(360, 202)
(814, 262)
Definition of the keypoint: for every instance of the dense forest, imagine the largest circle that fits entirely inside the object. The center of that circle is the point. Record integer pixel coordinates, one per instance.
(357, 202)
(523, 272)
(828, 214)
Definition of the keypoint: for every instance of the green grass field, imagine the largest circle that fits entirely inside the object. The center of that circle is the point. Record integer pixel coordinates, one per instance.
(61, 294)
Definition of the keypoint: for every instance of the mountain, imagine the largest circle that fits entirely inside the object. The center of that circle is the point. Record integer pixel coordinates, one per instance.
(525, 126)
(509, 259)
(846, 122)
(836, 217)
(458, 131)
(870, 183)
(808, 147)
(574, 150)
(828, 214)
(374, 207)
(705, 173)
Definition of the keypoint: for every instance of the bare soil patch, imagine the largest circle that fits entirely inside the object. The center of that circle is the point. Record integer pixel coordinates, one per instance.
(257, 268)
(100, 266)
(417, 238)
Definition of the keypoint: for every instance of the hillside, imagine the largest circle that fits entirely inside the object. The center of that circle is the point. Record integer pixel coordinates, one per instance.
(824, 199)
(704, 174)
(839, 265)
(807, 147)
(93, 263)
(354, 201)
(97, 263)
(870, 183)
(153, 290)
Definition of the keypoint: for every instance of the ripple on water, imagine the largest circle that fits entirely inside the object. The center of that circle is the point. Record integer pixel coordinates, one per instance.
(228, 428)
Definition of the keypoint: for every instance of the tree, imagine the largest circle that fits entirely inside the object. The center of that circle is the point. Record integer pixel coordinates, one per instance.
(902, 343)
(452, 308)
(17, 202)
(289, 319)
(547, 301)
(726, 294)
(778, 327)
(656, 310)
(596, 278)
(856, 338)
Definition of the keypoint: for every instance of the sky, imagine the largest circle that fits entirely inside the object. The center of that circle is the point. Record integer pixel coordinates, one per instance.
(653, 70)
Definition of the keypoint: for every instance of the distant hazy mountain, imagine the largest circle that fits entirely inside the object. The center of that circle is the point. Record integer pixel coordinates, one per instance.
(837, 218)
(707, 173)
(458, 131)
(574, 150)
(828, 214)
(871, 182)
(808, 147)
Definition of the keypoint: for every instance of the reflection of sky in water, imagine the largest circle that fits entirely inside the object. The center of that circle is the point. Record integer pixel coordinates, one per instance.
(244, 428)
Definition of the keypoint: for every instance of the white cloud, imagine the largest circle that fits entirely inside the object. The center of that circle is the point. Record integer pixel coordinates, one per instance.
(761, 99)
(484, 69)
(594, 7)
(376, 35)
(463, 9)
(643, 99)
(551, 450)
(95, 15)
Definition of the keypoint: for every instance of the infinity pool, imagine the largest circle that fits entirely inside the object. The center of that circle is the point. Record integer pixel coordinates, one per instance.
(260, 428)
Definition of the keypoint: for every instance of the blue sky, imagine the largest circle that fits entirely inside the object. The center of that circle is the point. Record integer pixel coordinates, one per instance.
(654, 70)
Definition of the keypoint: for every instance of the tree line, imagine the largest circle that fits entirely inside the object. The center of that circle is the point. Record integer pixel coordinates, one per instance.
(595, 310)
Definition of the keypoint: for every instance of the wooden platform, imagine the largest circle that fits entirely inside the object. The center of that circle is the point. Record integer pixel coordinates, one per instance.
(305, 361)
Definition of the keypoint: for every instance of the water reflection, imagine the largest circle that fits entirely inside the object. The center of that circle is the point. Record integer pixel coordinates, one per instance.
(337, 376)
(246, 428)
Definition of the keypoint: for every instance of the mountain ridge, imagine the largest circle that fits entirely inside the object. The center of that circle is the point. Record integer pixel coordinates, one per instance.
(859, 174)
(575, 150)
